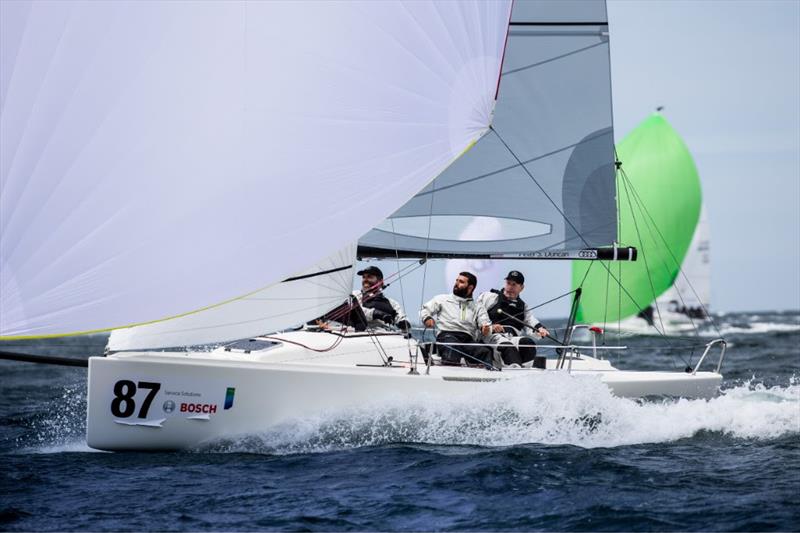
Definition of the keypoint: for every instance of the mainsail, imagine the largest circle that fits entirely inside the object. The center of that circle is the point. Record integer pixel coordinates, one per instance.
(659, 208)
(543, 180)
(157, 158)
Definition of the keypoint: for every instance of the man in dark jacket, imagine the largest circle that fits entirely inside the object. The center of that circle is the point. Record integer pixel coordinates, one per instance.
(513, 323)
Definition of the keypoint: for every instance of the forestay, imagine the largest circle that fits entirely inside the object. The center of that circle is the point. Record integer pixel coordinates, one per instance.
(554, 113)
(160, 157)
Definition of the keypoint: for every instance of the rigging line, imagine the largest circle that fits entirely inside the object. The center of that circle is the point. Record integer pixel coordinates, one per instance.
(378, 346)
(552, 300)
(511, 167)
(427, 243)
(605, 306)
(556, 58)
(563, 215)
(402, 290)
(567, 220)
(649, 277)
(649, 227)
(591, 264)
(617, 170)
(397, 259)
(705, 310)
(346, 308)
(336, 343)
(646, 266)
(619, 305)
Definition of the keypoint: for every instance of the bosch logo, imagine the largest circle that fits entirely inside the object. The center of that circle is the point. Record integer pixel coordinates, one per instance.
(207, 408)
(168, 406)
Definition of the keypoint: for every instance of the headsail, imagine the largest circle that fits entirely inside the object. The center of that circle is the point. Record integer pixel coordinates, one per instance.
(160, 157)
(554, 113)
(659, 206)
(691, 293)
(293, 301)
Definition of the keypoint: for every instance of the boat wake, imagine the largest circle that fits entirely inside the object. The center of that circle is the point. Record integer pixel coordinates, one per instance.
(752, 324)
(553, 412)
(756, 328)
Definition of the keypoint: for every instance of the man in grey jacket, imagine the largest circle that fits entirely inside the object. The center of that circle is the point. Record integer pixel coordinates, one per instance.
(513, 323)
(458, 319)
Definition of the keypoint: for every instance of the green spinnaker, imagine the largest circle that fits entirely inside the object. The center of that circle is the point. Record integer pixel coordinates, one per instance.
(659, 199)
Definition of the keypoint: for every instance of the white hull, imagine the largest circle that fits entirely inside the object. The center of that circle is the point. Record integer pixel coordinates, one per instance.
(286, 382)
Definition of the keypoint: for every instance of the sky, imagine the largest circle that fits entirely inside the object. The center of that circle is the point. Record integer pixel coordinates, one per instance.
(728, 76)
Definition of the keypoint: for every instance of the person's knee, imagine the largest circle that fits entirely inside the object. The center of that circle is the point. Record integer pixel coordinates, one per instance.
(527, 349)
(510, 355)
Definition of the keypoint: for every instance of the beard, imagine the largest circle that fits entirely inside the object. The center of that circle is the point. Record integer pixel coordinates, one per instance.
(463, 292)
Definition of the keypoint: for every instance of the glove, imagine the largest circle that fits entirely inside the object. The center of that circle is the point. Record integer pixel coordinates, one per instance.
(382, 316)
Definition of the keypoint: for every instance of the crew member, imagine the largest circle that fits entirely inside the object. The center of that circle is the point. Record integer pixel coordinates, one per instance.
(513, 323)
(459, 319)
(379, 310)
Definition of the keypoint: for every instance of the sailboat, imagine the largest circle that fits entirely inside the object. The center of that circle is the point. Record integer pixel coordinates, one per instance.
(662, 214)
(183, 174)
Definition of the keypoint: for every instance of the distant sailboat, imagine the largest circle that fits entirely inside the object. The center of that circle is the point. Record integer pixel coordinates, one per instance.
(662, 214)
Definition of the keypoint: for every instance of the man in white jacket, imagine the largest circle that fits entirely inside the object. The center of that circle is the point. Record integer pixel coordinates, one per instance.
(513, 323)
(458, 319)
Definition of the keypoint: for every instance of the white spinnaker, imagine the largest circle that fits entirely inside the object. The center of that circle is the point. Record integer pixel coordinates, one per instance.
(160, 157)
(310, 294)
(697, 268)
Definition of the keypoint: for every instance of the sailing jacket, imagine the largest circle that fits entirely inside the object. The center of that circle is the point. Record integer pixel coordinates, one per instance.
(454, 313)
(384, 306)
(500, 308)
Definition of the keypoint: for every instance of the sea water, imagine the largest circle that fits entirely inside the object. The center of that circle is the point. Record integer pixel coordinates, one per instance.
(524, 456)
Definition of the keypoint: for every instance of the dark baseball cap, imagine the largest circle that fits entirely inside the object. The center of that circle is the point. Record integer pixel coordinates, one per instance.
(516, 275)
(373, 270)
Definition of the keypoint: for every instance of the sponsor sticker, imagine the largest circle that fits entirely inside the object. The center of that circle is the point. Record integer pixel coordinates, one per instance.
(229, 397)
(207, 408)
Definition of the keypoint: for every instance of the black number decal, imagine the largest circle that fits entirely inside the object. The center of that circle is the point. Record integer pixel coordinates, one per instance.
(123, 405)
(150, 396)
(124, 390)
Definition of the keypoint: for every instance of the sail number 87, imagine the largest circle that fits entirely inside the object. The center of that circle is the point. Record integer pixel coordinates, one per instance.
(124, 404)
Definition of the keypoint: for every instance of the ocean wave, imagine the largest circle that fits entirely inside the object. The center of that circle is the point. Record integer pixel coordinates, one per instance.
(752, 328)
(552, 411)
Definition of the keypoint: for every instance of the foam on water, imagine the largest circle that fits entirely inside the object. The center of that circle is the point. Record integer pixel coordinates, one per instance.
(75, 446)
(755, 328)
(552, 411)
(62, 428)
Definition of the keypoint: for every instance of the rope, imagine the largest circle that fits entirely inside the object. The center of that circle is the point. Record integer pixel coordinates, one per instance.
(642, 208)
(705, 310)
(650, 278)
